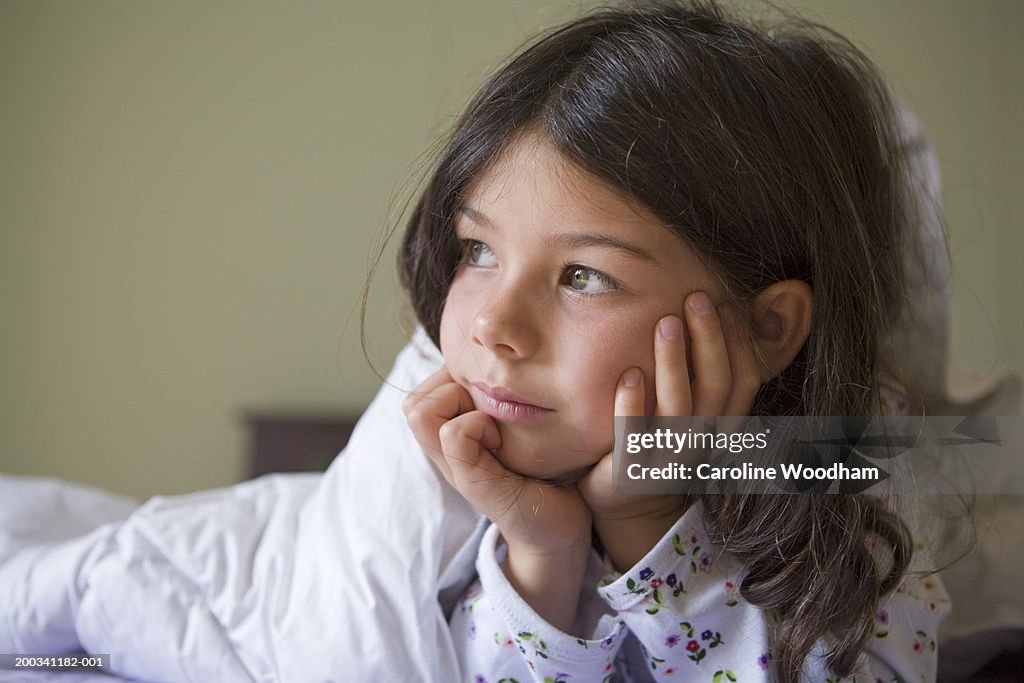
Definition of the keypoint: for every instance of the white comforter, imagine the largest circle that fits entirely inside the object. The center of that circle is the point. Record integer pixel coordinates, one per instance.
(286, 578)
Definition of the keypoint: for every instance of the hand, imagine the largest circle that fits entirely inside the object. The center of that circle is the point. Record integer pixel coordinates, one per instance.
(725, 381)
(547, 527)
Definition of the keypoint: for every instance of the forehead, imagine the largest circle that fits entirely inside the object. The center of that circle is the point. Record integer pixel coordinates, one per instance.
(533, 182)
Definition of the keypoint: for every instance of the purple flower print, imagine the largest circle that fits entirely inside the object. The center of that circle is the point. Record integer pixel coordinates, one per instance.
(706, 635)
(762, 661)
(671, 580)
(646, 573)
(479, 679)
(672, 640)
(882, 617)
(705, 562)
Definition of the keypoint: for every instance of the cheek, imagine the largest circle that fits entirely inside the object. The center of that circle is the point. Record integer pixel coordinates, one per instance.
(454, 332)
(446, 336)
(616, 344)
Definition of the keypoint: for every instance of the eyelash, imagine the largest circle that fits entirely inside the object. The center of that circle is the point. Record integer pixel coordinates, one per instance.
(568, 270)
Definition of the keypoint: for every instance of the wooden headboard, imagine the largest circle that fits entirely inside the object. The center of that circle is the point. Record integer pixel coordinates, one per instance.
(280, 442)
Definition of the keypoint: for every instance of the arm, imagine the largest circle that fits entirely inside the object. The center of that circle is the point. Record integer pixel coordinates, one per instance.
(682, 602)
(499, 637)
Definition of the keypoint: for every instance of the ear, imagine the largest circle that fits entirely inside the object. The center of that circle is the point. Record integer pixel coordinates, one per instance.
(782, 322)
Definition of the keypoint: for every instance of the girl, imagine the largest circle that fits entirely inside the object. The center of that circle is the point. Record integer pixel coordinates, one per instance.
(660, 211)
(665, 210)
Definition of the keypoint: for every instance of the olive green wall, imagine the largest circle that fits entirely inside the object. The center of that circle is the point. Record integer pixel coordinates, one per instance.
(191, 192)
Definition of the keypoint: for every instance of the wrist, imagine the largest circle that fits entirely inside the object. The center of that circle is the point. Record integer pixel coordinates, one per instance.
(644, 512)
(627, 538)
(557, 546)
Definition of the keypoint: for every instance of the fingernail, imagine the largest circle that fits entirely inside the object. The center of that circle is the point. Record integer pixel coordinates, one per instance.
(670, 328)
(700, 303)
(631, 378)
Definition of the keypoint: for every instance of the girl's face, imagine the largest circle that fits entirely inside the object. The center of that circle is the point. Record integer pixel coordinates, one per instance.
(561, 285)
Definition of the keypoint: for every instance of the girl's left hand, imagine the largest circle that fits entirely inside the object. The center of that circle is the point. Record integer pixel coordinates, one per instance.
(726, 379)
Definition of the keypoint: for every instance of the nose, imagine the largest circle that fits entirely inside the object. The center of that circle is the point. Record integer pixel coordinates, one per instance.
(506, 325)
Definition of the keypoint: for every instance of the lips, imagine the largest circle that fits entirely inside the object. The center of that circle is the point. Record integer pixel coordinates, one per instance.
(503, 404)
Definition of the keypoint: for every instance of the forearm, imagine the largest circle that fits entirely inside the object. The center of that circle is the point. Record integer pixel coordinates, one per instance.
(549, 581)
(497, 635)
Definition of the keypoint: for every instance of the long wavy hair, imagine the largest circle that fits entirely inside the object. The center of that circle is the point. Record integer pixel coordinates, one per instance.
(774, 154)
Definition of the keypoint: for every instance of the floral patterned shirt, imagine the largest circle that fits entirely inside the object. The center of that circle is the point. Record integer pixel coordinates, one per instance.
(676, 616)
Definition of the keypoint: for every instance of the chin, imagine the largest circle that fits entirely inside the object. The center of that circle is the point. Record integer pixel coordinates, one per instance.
(560, 477)
(524, 457)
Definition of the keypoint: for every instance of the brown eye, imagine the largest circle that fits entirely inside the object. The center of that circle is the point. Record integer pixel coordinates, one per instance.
(478, 254)
(588, 281)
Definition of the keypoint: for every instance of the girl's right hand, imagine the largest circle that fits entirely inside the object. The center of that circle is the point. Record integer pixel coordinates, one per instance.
(546, 526)
(459, 440)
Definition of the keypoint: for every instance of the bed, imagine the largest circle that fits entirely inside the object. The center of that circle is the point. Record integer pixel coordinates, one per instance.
(288, 584)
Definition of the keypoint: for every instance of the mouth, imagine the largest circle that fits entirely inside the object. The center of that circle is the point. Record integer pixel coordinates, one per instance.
(502, 404)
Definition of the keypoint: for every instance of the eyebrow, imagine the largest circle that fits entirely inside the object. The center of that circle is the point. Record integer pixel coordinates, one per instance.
(574, 240)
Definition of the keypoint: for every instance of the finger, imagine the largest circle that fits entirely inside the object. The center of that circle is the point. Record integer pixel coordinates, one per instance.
(712, 379)
(746, 374)
(437, 407)
(475, 472)
(671, 373)
(432, 412)
(441, 376)
(629, 402)
(597, 486)
(467, 442)
(629, 395)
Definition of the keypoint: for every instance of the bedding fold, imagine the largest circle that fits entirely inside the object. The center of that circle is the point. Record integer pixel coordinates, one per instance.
(333, 577)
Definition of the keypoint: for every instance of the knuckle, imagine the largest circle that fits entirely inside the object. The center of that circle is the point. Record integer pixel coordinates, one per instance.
(707, 327)
(670, 353)
(408, 403)
(416, 420)
(449, 431)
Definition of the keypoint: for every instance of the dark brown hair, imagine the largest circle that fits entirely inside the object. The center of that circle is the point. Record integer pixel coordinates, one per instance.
(774, 155)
